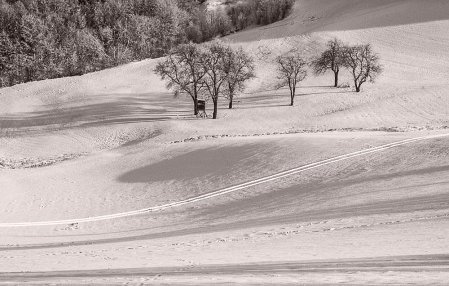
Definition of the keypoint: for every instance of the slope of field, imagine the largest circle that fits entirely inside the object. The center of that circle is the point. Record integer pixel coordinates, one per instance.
(116, 140)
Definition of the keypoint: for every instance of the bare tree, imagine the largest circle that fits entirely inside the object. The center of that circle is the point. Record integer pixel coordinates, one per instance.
(331, 59)
(215, 77)
(239, 68)
(363, 64)
(184, 71)
(291, 72)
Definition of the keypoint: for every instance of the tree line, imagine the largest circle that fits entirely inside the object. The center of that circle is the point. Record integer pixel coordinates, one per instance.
(217, 70)
(41, 39)
(360, 60)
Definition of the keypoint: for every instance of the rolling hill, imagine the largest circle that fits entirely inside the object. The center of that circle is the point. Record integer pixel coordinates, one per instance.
(116, 141)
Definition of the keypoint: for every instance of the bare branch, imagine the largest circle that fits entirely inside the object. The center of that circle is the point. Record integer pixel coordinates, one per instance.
(184, 71)
(291, 71)
(332, 59)
(363, 64)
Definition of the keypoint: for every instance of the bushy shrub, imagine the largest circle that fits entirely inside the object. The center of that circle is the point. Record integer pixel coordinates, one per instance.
(208, 24)
(261, 12)
(242, 15)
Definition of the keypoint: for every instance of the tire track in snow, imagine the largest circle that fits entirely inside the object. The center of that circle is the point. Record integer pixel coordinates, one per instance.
(231, 189)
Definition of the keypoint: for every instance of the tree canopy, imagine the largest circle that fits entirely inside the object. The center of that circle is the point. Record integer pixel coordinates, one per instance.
(332, 59)
(239, 68)
(291, 70)
(211, 71)
(42, 39)
(363, 64)
(184, 71)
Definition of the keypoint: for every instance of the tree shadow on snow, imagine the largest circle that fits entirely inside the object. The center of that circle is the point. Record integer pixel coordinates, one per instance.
(120, 109)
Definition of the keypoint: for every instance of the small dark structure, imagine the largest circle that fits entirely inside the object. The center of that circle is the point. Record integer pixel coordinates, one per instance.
(202, 108)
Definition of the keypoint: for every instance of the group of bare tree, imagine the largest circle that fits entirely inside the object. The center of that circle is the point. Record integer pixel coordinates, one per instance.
(207, 71)
(360, 60)
(215, 69)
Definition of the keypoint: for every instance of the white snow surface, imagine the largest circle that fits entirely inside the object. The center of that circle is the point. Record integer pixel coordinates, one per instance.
(116, 141)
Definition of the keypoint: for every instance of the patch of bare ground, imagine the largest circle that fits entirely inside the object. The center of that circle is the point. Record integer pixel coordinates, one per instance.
(378, 129)
(27, 163)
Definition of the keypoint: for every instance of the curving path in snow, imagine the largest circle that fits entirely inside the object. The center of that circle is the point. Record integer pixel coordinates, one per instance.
(229, 189)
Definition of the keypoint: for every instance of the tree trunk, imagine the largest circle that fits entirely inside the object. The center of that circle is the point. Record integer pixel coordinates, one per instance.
(292, 95)
(195, 106)
(357, 86)
(336, 79)
(231, 96)
(215, 109)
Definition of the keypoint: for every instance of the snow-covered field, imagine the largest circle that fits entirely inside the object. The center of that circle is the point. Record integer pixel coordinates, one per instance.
(116, 141)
